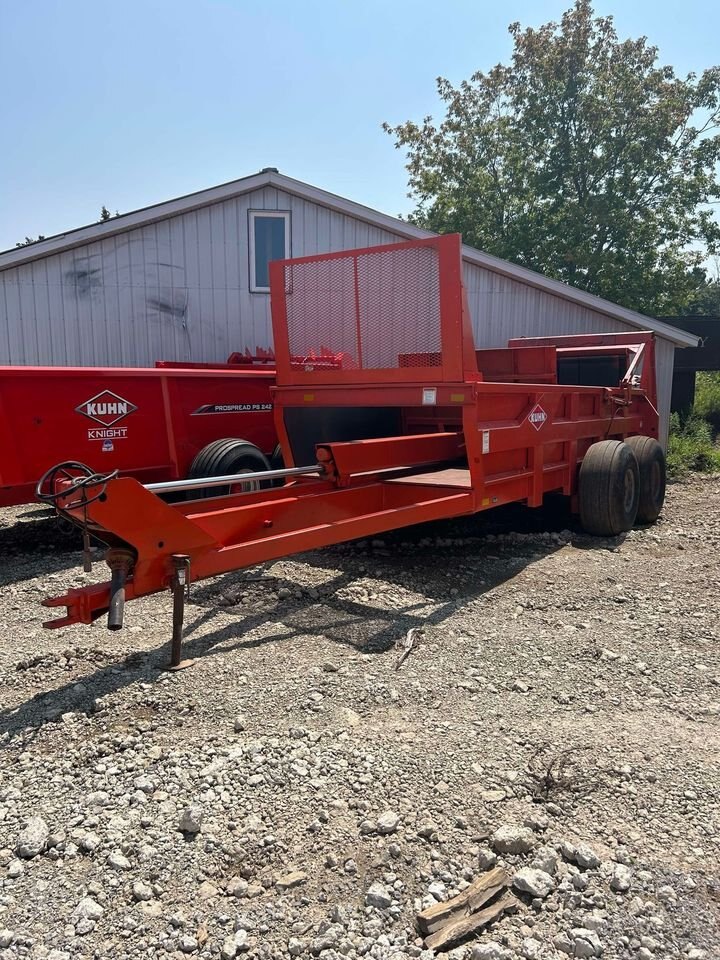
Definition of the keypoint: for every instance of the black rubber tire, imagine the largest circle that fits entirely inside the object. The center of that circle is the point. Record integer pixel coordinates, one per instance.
(653, 477)
(609, 488)
(226, 456)
(276, 460)
(277, 463)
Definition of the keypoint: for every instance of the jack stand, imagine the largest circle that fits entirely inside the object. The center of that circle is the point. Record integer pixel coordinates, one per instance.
(180, 590)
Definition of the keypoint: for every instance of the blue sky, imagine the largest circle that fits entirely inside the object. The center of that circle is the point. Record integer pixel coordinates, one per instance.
(131, 102)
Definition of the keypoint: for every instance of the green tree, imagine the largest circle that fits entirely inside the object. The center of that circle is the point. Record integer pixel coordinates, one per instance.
(104, 214)
(583, 159)
(706, 300)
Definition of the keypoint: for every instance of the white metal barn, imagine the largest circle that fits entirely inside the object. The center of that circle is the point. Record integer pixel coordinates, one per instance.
(187, 280)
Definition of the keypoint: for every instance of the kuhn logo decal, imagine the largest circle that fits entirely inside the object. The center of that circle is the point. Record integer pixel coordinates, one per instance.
(537, 416)
(106, 408)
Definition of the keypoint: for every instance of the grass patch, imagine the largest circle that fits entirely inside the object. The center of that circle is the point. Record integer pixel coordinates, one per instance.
(707, 398)
(692, 445)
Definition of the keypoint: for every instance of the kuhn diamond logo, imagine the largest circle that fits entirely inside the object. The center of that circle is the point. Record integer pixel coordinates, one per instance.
(537, 416)
(106, 408)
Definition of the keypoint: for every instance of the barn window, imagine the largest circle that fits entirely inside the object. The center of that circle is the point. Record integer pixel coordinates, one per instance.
(269, 240)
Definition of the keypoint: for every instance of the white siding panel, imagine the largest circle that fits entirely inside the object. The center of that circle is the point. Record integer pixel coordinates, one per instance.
(12, 342)
(502, 308)
(51, 350)
(27, 311)
(664, 360)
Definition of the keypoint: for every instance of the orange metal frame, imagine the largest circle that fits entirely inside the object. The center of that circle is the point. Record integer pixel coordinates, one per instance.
(467, 444)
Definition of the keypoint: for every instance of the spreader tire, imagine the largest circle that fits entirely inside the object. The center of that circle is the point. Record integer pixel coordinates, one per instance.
(227, 456)
(276, 460)
(653, 472)
(277, 463)
(609, 488)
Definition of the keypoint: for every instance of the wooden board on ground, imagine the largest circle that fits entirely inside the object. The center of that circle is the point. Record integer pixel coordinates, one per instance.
(470, 900)
(457, 930)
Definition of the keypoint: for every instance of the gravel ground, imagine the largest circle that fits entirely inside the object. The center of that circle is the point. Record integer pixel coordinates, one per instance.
(297, 793)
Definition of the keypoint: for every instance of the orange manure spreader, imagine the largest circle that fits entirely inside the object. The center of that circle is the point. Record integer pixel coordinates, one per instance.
(387, 416)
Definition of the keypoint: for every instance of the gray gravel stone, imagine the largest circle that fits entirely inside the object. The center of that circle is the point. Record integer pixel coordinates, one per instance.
(188, 944)
(513, 839)
(191, 819)
(142, 891)
(535, 882)
(531, 949)
(486, 858)
(90, 842)
(545, 858)
(88, 909)
(585, 856)
(388, 822)
(580, 853)
(118, 861)
(491, 950)
(621, 879)
(32, 838)
(438, 891)
(586, 943)
(377, 896)
(291, 880)
(234, 944)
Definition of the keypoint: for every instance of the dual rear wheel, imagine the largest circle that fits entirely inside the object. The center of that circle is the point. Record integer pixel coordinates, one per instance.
(620, 484)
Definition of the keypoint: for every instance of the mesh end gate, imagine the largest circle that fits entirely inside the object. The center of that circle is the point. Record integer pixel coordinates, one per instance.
(389, 314)
(387, 417)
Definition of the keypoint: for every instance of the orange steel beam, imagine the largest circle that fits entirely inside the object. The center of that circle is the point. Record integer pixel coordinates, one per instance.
(229, 534)
(345, 460)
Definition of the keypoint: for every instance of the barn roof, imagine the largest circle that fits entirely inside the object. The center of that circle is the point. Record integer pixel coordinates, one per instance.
(269, 177)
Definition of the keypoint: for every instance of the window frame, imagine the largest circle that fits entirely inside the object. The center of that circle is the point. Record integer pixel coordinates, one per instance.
(252, 216)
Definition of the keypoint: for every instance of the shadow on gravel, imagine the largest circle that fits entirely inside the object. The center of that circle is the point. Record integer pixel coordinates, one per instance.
(47, 706)
(443, 577)
(37, 540)
(439, 579)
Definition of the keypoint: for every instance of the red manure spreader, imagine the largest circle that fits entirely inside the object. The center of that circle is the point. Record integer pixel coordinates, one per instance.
(174, 421)
(406, 422)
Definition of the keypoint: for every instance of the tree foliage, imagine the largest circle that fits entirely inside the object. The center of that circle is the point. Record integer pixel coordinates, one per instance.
(583, 159)
(104, 215)
(28, 240)
(705, 301)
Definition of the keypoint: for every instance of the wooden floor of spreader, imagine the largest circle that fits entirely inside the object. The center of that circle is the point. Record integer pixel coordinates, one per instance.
(450, 477)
